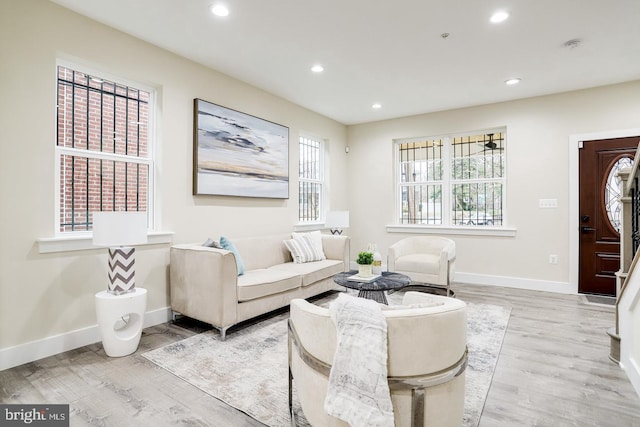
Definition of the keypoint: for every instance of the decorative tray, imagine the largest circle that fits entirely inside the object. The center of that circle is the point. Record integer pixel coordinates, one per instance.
(356, 278)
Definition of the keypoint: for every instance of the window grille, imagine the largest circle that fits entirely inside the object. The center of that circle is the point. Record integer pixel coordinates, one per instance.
(102, 148)
(453, 180)
(421, 178)
(311, 180)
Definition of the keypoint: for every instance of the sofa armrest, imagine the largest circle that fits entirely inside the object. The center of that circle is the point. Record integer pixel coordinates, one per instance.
(337, 247)
(203, 284)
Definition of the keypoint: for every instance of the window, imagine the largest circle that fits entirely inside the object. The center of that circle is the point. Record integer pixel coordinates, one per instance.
(613, 192)
(103, 152)
(452, 180)
(311, 179)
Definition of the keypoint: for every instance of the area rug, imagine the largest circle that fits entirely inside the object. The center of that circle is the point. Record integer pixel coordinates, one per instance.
(249, 370)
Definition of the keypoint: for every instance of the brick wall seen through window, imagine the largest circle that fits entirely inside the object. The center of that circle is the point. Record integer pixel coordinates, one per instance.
(311, 180)
(102, 148)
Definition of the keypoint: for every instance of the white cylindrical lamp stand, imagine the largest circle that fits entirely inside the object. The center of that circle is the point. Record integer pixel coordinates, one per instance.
(120, 319)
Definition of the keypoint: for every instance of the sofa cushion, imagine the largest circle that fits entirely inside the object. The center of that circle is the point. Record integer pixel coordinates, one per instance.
(262, 282)
(423, 263)
(263, 252)
(312, 272)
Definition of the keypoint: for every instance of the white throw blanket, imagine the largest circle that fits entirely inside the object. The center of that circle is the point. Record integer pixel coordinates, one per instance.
(358, 391)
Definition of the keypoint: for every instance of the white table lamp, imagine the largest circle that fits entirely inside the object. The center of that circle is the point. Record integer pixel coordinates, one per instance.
(337, 221)
(119, 231)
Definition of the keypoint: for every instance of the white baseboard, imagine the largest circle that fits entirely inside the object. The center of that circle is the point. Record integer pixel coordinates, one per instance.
(34, 350)
(516, 282)
(630, 367)
(31, 351)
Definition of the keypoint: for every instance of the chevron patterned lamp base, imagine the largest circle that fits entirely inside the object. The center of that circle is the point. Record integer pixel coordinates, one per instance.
(122, 271)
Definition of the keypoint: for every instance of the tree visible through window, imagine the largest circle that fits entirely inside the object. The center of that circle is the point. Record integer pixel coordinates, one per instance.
(453, 180)
(102, 148)
(311, 180)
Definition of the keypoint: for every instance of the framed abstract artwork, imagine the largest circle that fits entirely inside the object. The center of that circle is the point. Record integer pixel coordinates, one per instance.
(236, 154)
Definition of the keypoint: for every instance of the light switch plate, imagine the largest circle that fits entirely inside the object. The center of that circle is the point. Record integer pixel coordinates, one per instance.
(548, 203)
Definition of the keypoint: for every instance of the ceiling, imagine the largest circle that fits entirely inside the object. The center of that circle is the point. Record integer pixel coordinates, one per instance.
(392, 52)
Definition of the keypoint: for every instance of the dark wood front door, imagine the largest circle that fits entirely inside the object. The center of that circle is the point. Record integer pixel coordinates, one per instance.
(599, 220)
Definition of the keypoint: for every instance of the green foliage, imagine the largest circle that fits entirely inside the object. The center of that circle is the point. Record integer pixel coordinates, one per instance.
(365, 258)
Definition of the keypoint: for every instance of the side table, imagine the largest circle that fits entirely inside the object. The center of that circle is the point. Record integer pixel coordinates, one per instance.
(120, 319)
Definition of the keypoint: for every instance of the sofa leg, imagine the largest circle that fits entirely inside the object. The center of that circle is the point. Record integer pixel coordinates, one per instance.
(174, 316)
(223, 332)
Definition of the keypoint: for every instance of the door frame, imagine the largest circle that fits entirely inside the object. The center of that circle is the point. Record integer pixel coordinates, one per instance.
(575, 142)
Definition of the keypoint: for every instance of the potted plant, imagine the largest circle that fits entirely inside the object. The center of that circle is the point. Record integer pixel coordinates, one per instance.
(365, 260)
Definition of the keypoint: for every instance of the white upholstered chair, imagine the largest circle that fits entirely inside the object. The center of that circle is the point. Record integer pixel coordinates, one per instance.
(426, 361)
(425, 259)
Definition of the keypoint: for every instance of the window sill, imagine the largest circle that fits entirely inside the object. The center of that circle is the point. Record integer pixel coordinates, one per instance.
(461, 230)
(309, 226)
(83, 242)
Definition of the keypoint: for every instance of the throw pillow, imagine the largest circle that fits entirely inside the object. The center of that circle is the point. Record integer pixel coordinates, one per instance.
(314, 238)
(228, 245)
(212, 244)
(302, 250)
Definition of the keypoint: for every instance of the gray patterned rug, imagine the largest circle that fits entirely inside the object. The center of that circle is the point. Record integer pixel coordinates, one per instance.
(249, 370)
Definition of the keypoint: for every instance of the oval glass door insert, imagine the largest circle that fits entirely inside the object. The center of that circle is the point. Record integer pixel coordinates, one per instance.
(613, 192)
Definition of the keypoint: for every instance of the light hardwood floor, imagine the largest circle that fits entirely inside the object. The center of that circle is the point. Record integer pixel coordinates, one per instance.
(553, 370)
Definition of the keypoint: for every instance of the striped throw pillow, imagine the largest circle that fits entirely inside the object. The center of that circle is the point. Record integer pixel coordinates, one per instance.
(302, 250)
(314, 238)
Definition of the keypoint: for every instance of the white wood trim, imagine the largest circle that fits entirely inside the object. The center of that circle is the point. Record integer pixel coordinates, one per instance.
(459, 230)
(308, 226)
(153, 134)
(34, 350)
(84, 241)
(515, 282)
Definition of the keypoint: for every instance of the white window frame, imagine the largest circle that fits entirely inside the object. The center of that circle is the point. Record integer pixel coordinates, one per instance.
(447, 187)
(79, 240)
(321, 180)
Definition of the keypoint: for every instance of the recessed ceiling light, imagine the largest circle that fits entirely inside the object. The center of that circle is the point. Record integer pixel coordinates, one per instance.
(499, 16)
(512, 82)
(317, 68)
(376, 106)
(219, 10)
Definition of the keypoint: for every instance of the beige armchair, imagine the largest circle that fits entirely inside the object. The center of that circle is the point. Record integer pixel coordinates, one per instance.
(426, 361)
(425, 259)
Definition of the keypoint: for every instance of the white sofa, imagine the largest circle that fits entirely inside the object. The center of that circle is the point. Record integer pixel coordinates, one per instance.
(205, 284)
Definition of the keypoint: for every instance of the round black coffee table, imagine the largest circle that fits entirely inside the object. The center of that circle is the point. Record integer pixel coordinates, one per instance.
(375, 289)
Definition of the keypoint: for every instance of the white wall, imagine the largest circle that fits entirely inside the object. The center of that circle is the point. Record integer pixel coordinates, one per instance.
(44, 298)
(538, 150)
